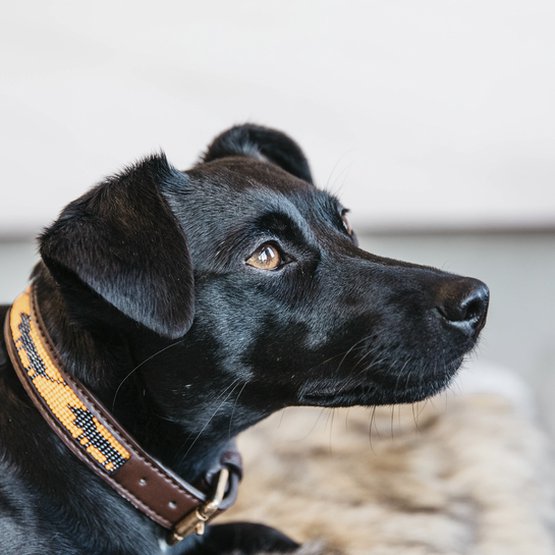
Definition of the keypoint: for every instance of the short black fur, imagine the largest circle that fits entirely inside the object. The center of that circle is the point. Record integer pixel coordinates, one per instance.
(146, 292)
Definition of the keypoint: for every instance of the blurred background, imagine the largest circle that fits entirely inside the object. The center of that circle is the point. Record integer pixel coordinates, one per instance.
(433, 120)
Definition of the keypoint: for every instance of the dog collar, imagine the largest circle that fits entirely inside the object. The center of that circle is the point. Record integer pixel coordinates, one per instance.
(96, 439)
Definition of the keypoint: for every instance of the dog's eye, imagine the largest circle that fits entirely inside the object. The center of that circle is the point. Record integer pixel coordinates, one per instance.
(266, 257)
(345, 221)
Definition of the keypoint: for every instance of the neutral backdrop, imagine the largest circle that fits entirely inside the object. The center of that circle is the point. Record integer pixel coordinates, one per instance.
(423, 114)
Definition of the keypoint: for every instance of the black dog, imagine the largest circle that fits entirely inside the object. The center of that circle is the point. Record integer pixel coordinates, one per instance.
(194, 304)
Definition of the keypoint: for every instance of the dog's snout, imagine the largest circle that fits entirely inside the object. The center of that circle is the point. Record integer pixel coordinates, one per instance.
(464, 304)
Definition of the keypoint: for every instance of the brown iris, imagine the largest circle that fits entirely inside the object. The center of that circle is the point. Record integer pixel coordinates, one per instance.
(265, 257)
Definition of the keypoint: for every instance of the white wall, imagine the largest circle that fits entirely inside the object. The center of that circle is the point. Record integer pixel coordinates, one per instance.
(427, 113)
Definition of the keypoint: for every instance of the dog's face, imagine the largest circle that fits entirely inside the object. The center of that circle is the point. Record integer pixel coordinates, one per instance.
(258, 276)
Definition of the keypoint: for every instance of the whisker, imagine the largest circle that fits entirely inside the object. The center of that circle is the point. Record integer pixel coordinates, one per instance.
(330, 450)
(342, 354)
(230, 389)
(370, 428)
(391, 422)
(148, 359)
(281, 417)
(348, 352)
(234, 406)
(415, 417)
(313, 427)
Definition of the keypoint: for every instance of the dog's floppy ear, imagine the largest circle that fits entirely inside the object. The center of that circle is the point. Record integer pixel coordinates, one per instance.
(261, 142)
(122, 241)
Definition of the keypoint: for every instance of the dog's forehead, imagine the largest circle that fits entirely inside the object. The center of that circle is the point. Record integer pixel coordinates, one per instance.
(240, 186)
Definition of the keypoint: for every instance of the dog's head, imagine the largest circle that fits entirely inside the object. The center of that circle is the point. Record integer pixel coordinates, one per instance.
(257, 276)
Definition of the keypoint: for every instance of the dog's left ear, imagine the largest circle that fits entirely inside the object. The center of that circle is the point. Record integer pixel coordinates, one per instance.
(255, 141)
(122, 241)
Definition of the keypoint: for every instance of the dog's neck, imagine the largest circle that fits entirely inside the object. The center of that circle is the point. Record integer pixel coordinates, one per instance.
(112, 366)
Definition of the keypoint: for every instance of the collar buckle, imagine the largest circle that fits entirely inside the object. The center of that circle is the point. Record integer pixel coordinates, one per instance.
(195, 521)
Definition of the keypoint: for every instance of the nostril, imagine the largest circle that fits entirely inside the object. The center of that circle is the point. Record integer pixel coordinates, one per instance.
(464, 303)
(472, 309)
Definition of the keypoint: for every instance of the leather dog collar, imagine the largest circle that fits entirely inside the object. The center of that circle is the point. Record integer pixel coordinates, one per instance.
(94, 436)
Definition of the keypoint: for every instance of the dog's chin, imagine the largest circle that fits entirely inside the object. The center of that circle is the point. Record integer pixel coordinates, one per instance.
(372, 394)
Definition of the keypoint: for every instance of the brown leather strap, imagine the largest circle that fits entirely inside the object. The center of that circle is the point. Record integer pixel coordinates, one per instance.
(92, 434)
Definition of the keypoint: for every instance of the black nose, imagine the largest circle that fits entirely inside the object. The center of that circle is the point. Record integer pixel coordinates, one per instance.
(463, 303)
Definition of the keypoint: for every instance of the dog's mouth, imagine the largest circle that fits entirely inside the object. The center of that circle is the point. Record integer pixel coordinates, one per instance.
(338, 394)
(335, 396)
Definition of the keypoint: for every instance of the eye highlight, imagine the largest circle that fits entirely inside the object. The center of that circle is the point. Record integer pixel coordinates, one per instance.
(266, 257)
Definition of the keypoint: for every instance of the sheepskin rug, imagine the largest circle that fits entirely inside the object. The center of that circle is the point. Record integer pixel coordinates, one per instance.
(468, 472)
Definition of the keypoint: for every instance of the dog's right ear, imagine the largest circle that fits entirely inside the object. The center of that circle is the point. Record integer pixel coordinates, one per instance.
(122, 241)
(255, 141)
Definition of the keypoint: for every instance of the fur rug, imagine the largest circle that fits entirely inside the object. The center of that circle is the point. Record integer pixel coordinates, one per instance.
(472, 476)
